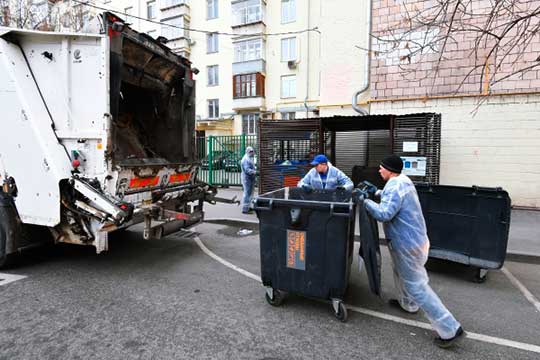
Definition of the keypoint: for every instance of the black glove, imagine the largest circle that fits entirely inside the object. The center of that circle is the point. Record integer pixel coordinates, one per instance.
(307, 188)
(370, 188)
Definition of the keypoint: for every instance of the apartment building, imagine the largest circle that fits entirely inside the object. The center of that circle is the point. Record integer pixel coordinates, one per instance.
(279, 60)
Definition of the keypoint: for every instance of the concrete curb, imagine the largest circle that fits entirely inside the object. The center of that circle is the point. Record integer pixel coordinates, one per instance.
(528, 258)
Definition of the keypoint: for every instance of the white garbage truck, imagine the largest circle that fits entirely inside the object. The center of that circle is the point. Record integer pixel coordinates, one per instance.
(97, 133)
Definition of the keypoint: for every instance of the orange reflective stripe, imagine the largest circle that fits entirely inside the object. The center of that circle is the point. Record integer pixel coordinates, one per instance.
(182, 177)
(143, 182)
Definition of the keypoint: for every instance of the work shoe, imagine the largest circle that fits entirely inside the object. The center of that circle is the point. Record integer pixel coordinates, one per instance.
(446, 343)
(395, 304)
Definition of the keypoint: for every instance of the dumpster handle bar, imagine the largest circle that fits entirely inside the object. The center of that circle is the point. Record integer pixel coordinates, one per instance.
(265, 208)
(340, 214)
(259, 205)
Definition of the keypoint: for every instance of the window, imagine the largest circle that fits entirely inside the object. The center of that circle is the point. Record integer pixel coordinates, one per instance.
(212, 9)
(248, 85)
(248, 50)
(129, 11)
(288, 11)
(288, 49)
(151, 9)
(247, 12)
(288, 86)
(213, 108)
(152, 33)
(213, 76)
(288, 115)
(249, 123)
(177, 29)
(212, 43)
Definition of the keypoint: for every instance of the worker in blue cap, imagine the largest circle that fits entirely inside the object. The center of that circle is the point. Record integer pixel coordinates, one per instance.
(324, 176)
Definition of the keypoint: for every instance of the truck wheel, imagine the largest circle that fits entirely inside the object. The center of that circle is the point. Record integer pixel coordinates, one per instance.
(9, 227)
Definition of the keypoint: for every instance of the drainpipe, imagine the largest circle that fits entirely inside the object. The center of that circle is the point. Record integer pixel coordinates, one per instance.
(367, 69)
(307, 62)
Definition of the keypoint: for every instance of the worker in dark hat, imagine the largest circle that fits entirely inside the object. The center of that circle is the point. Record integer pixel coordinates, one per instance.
(325, 176)
(408, 243)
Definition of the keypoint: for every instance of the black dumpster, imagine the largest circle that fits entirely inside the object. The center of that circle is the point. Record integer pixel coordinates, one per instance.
(306, 243)
(467, 225)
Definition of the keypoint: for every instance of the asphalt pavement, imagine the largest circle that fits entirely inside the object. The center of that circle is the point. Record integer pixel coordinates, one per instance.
(168, 299)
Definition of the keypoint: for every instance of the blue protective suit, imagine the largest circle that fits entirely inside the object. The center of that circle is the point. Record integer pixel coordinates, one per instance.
(248, 178)
(405, 228)
(334, 178)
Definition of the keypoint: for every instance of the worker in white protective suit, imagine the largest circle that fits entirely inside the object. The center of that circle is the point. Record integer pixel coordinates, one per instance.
(249, 177)
(324, 176)
(408, 243)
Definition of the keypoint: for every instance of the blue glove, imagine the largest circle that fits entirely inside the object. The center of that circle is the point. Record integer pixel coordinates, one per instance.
(359, 195)
(307, 188)
(370, 188)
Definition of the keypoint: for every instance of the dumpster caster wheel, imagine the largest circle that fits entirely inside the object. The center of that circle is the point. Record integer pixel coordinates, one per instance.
(274, 297)
(340, 311)
(342, 315)
(480, 276)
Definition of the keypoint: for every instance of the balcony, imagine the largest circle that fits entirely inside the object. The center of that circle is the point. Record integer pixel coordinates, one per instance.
(181, 47)
(248, 17)
(174, 6)
(249, 103)
(249, 67)
(249, 92)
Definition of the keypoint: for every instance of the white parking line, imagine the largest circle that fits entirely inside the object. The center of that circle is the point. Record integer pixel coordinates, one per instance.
(225, 262)
(384, 316)
(528, 295)
(9, 278)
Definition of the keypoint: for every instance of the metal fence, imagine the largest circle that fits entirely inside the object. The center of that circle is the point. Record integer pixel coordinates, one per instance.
(220, 158)
(355, 144)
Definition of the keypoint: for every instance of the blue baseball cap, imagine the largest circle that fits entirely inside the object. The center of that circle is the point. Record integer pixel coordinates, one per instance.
(319, 159)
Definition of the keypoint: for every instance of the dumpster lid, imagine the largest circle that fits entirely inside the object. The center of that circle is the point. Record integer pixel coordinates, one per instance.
(369, 249)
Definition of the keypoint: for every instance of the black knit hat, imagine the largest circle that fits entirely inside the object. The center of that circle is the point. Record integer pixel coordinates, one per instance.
(393, 163)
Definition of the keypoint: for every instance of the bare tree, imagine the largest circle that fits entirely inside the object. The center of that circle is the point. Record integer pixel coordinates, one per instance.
(490, 41)
(47, 15)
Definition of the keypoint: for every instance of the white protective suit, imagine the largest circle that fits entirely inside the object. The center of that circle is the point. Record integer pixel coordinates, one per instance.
(334, 178)
(405, 228)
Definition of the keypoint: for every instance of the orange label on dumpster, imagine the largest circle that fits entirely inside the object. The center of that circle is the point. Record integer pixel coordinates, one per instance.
(296, 249)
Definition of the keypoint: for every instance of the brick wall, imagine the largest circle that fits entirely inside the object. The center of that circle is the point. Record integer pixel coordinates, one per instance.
(496, 144)
(396, 75)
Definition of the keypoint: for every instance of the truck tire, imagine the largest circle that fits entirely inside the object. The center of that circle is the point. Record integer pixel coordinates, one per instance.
(9, 227)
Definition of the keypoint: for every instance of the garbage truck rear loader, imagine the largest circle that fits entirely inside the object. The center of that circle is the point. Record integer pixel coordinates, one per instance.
(97, 134)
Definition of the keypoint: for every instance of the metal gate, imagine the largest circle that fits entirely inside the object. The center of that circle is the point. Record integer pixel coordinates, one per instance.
(220, 158)
(355, 144)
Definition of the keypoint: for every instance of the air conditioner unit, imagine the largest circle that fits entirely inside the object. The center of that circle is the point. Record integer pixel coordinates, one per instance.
(291, 64)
